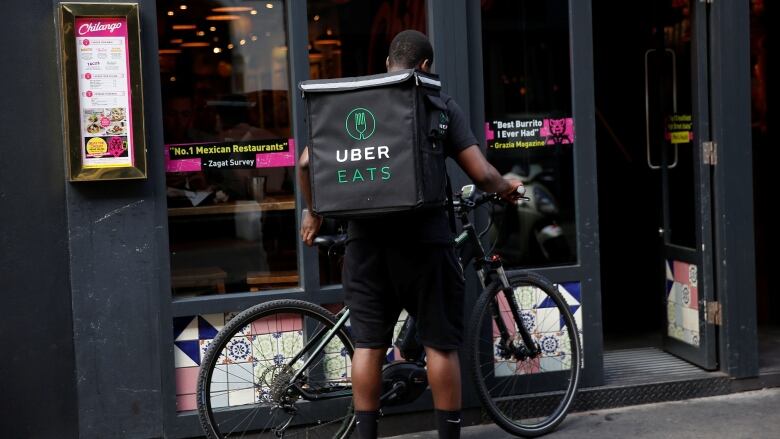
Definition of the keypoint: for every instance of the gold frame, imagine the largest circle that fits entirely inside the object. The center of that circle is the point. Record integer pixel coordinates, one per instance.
(66, 16)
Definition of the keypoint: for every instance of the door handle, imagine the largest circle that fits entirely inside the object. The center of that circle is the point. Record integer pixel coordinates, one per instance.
(647, 107)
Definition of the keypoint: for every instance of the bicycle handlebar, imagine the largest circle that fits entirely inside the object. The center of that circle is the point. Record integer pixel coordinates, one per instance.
(473, 201)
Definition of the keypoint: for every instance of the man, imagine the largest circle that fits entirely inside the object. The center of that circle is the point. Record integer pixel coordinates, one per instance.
(408, 261)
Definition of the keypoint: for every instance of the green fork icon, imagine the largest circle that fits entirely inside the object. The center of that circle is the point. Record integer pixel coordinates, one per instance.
(360, 124)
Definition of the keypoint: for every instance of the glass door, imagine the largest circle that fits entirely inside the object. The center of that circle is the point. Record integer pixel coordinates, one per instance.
(678, 150)
(536, 95)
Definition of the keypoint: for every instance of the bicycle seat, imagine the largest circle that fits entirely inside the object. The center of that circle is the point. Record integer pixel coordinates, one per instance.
(330, 240)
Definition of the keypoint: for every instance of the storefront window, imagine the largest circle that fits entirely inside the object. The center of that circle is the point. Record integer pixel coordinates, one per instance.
(529, 127)
(229, 150)
(352, 38)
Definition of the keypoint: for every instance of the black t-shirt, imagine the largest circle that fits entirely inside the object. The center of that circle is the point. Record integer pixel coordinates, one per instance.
(424, 225)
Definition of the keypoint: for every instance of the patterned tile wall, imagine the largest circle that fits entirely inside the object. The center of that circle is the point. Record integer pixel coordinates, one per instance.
(682, 301)
(547, 328)
(263, 344)
(191, 336)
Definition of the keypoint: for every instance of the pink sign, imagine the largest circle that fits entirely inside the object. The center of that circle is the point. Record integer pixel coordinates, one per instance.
(527, 133)
(286, 157)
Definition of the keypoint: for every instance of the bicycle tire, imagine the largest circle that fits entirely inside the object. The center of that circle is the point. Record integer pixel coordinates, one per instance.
(268, 388)
(534, 390)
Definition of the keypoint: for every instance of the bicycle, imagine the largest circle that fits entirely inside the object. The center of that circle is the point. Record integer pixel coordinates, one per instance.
(282, 368)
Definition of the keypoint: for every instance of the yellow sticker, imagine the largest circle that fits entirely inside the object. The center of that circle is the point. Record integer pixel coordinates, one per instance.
(681, 137)
(97, 146)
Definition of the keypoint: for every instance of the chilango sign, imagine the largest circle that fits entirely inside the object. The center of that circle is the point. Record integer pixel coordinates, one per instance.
(375, 143)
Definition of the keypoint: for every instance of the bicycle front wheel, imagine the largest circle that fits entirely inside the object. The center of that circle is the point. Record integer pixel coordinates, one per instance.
(263, 376)
(526, 390)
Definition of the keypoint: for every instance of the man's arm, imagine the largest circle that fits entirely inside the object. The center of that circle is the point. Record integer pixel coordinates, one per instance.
(485, 176)
(310, 225)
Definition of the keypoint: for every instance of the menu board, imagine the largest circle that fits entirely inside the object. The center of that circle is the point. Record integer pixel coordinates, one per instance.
(104, 92)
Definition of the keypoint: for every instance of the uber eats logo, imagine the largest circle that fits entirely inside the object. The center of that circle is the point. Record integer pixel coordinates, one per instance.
(360, 125)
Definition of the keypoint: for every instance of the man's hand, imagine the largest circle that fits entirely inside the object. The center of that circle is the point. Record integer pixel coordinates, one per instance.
(512, 195)
(310, 227)
(310, 223)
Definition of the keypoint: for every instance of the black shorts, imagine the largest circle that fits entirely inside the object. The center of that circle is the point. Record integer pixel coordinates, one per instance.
(425, 279)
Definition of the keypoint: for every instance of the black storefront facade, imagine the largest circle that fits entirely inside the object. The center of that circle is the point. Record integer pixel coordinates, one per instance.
(634, 133)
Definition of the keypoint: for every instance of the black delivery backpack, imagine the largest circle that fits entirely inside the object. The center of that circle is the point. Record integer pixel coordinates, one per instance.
(376, 144)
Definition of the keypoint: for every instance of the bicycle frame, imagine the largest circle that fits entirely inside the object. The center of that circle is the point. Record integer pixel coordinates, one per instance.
(492, 276)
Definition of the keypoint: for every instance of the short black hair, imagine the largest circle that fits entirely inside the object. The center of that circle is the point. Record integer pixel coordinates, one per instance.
(409, 48)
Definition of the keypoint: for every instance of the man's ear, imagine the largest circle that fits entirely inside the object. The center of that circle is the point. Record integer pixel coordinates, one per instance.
(425, 65)
(387, 63)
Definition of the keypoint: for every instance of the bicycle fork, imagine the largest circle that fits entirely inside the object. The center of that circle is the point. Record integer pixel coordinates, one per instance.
(506, 345)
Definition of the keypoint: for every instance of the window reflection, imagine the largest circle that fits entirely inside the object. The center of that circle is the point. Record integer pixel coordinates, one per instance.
(352, 38)
(229, 153)
(529, 126)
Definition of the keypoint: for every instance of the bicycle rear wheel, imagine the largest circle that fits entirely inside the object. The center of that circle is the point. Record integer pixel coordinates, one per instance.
(525, 396)
(246, 387)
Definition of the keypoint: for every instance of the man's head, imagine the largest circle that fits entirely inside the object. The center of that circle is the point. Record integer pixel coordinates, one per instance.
(410, 49)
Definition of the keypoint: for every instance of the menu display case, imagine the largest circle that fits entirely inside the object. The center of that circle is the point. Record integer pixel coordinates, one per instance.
(101, 89)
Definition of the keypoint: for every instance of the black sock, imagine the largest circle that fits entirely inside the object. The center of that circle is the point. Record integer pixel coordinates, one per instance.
(366, 424)
(448, 424)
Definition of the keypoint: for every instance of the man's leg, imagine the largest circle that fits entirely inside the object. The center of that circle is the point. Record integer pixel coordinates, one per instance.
(444, 379)
(435, 289)
(367, 378)
(366, 389)
(373, 316)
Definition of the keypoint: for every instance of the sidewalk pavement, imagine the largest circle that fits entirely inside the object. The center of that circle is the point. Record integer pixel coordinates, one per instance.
(748, 415)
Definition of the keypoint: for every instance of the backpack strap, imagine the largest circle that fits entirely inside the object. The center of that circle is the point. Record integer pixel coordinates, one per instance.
(450, 203)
